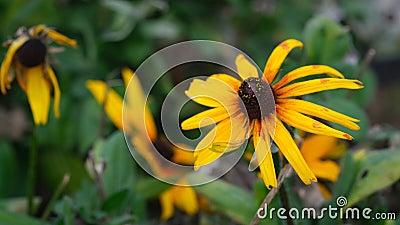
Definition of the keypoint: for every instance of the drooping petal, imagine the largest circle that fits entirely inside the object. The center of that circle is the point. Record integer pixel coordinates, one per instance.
(109, 99)
(212, 92)
(264, 156)
(307, 71)
(151, 157)
(319, 111)
(138, 114)
(228, 135)
(244, 68)
(167, 204)
(316, 85)
(185, 199)
(277, 57)
(54, 35)
(182, 155)
(305, 123)
(57, 92)
(230, 80)
(289, 149)
(5, 65)
(38, 92)
(205, 118)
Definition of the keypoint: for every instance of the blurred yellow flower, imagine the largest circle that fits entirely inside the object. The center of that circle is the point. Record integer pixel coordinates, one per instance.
(242, 107)
(27, 58)
(319, 152)
(183, 197)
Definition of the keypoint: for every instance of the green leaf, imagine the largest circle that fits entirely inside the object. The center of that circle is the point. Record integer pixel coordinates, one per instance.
(150, 187)
(346, 178)
(11, 218)
(376, 170)
(120, 167)
(325, 40)
(8, 166)
(115, 201)
(125, 219)
(365, 95)
(229, 199)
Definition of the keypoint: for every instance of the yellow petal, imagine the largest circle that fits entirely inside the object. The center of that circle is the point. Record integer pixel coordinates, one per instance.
(208, 117)
(212, 92)
(231, 81)
(110, 100)
(326, 169)
(54, 35)
(144, 150)
(137, 112)
(38, 92)
(277, 57)
(305, 123)
(324, 113)
(182, 155)
(57, 92)
(289, 149)
(228, 135)
(264, 156)
(185, 199)
(324, 191)
(167, 204)
(316, 85)
(5, 65)
(318, 146)
(244, 68)
(307, 71)
(127, 75)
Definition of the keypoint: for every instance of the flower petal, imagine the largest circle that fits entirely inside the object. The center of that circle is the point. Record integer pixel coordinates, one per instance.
(110, 99)
(212, 92)
(307, 71)
(54, 35)
(289, 149)
(277, 57)
(319, 111)
(57, 92)
(305, 123)
(137, 114)
(205, 118)
(325, 169)
(264, 156)
(38, 92)
(316, 85)
(182, 155)
(5, 65)
(167, 204)
(230, 80)
(318, 146)
(244, 68)
(185, 199)
(127, 75)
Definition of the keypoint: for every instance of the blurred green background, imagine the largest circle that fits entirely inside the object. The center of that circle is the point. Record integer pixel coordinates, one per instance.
(116, 33)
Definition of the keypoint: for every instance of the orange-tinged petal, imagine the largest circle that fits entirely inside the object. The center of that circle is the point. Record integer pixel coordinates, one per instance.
(182, 155)
(205, 118)
(307, 71)
(212, 92)
(319, 111)
(185, 199)
(316, 85)
(5, 65)
(245, 69)
(277, 57)
(326, 169)
(318, 146)
(231, 81)
(264, 156)
(167, 204)
(324, 191)
(138, 113)
(54, 35)
(289, 149)
(38, 92)
(305, 123)
(110, 99)
(56, 88)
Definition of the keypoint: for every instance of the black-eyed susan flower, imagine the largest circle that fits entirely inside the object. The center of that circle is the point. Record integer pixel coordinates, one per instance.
(27, 59)
(243, 107)
(183, 197)
(319, 152)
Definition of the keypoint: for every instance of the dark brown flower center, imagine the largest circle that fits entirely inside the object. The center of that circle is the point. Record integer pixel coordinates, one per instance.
(257, 97)
(32, 53)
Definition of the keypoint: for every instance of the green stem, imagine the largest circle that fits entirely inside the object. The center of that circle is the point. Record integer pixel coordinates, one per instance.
(57, 193)
(32, 171)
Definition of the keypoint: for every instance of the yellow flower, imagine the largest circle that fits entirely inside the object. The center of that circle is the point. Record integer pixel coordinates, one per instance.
(27, 58)
(227, 95)
(183, 197)
(318, 152)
